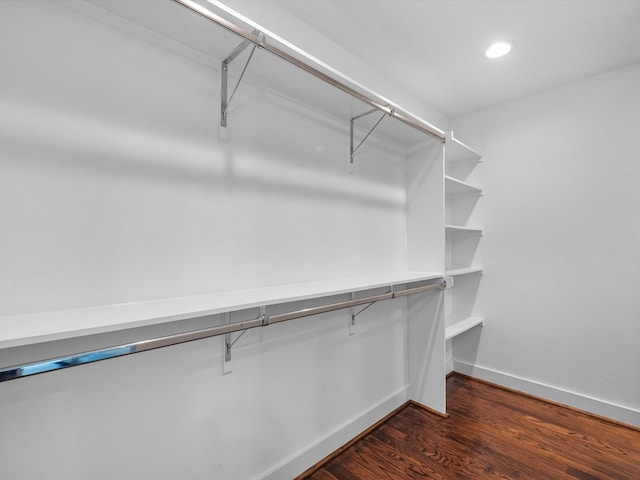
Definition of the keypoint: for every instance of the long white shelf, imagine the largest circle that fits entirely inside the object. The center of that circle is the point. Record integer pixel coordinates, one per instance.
(460, 229)
(18, 330)
(277, 66)
(458, 187)
(463, 271)
(461, 326)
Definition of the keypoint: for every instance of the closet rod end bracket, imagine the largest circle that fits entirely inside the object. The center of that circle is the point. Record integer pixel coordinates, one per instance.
(263, 316)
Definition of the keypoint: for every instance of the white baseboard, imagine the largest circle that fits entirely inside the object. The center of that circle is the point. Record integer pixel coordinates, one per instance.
(312, 454)
(583, 402)
(300, 461)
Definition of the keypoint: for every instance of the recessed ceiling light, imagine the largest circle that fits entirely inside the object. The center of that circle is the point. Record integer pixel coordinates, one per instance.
(499, 49)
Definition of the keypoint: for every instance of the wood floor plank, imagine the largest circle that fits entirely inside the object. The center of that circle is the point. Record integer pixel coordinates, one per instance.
(323, 475)
(491, 433)
(519, 434)
(548, 435)
(443, 457)
(457, 450)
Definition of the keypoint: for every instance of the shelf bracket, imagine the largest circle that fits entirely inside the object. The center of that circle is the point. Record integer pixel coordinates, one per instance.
(353, 314)
(351, 124)
(263, 316)
(228, 343)
(225, 99)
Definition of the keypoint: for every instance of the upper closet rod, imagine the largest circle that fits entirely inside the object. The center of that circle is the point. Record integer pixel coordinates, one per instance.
(263, 320)
(260, 42)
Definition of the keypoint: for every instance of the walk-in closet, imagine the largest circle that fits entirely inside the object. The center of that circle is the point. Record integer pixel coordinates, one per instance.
(237, 235)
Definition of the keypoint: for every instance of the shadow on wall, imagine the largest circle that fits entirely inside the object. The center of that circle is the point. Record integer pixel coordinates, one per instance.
(259, 161)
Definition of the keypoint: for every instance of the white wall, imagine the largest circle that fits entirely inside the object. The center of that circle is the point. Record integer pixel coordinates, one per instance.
(561, 256)
(115, 188)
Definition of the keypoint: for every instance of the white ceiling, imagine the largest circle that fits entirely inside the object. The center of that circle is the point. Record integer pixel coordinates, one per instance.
(435, 47)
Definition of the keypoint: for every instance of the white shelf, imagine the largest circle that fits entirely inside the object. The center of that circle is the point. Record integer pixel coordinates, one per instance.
(456, 151)
(463, 271)
(460, 229)
(210, 44)
(462, 325)
(17, 330)
(458, 187)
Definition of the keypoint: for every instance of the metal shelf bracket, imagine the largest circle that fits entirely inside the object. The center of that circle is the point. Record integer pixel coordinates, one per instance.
(353, 314)
(351, 124)
(225, 99)
(228, 343)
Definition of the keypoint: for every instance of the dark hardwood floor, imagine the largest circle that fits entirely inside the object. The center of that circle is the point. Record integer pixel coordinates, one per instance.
(491, 433)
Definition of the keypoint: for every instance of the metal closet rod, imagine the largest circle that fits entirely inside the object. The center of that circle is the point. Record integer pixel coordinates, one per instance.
(260, 42)
(42, 366)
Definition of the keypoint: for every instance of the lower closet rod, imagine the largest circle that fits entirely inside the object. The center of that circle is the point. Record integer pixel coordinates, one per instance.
(73, 360)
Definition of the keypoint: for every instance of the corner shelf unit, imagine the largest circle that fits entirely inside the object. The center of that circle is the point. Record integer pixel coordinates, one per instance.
(463, 233)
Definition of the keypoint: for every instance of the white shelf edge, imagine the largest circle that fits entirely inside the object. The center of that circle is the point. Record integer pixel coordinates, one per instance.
(463, 271)
(460, 187)
(31, 328)
(457, 228)
(464, 146)
(465, 152)
(462, 326)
